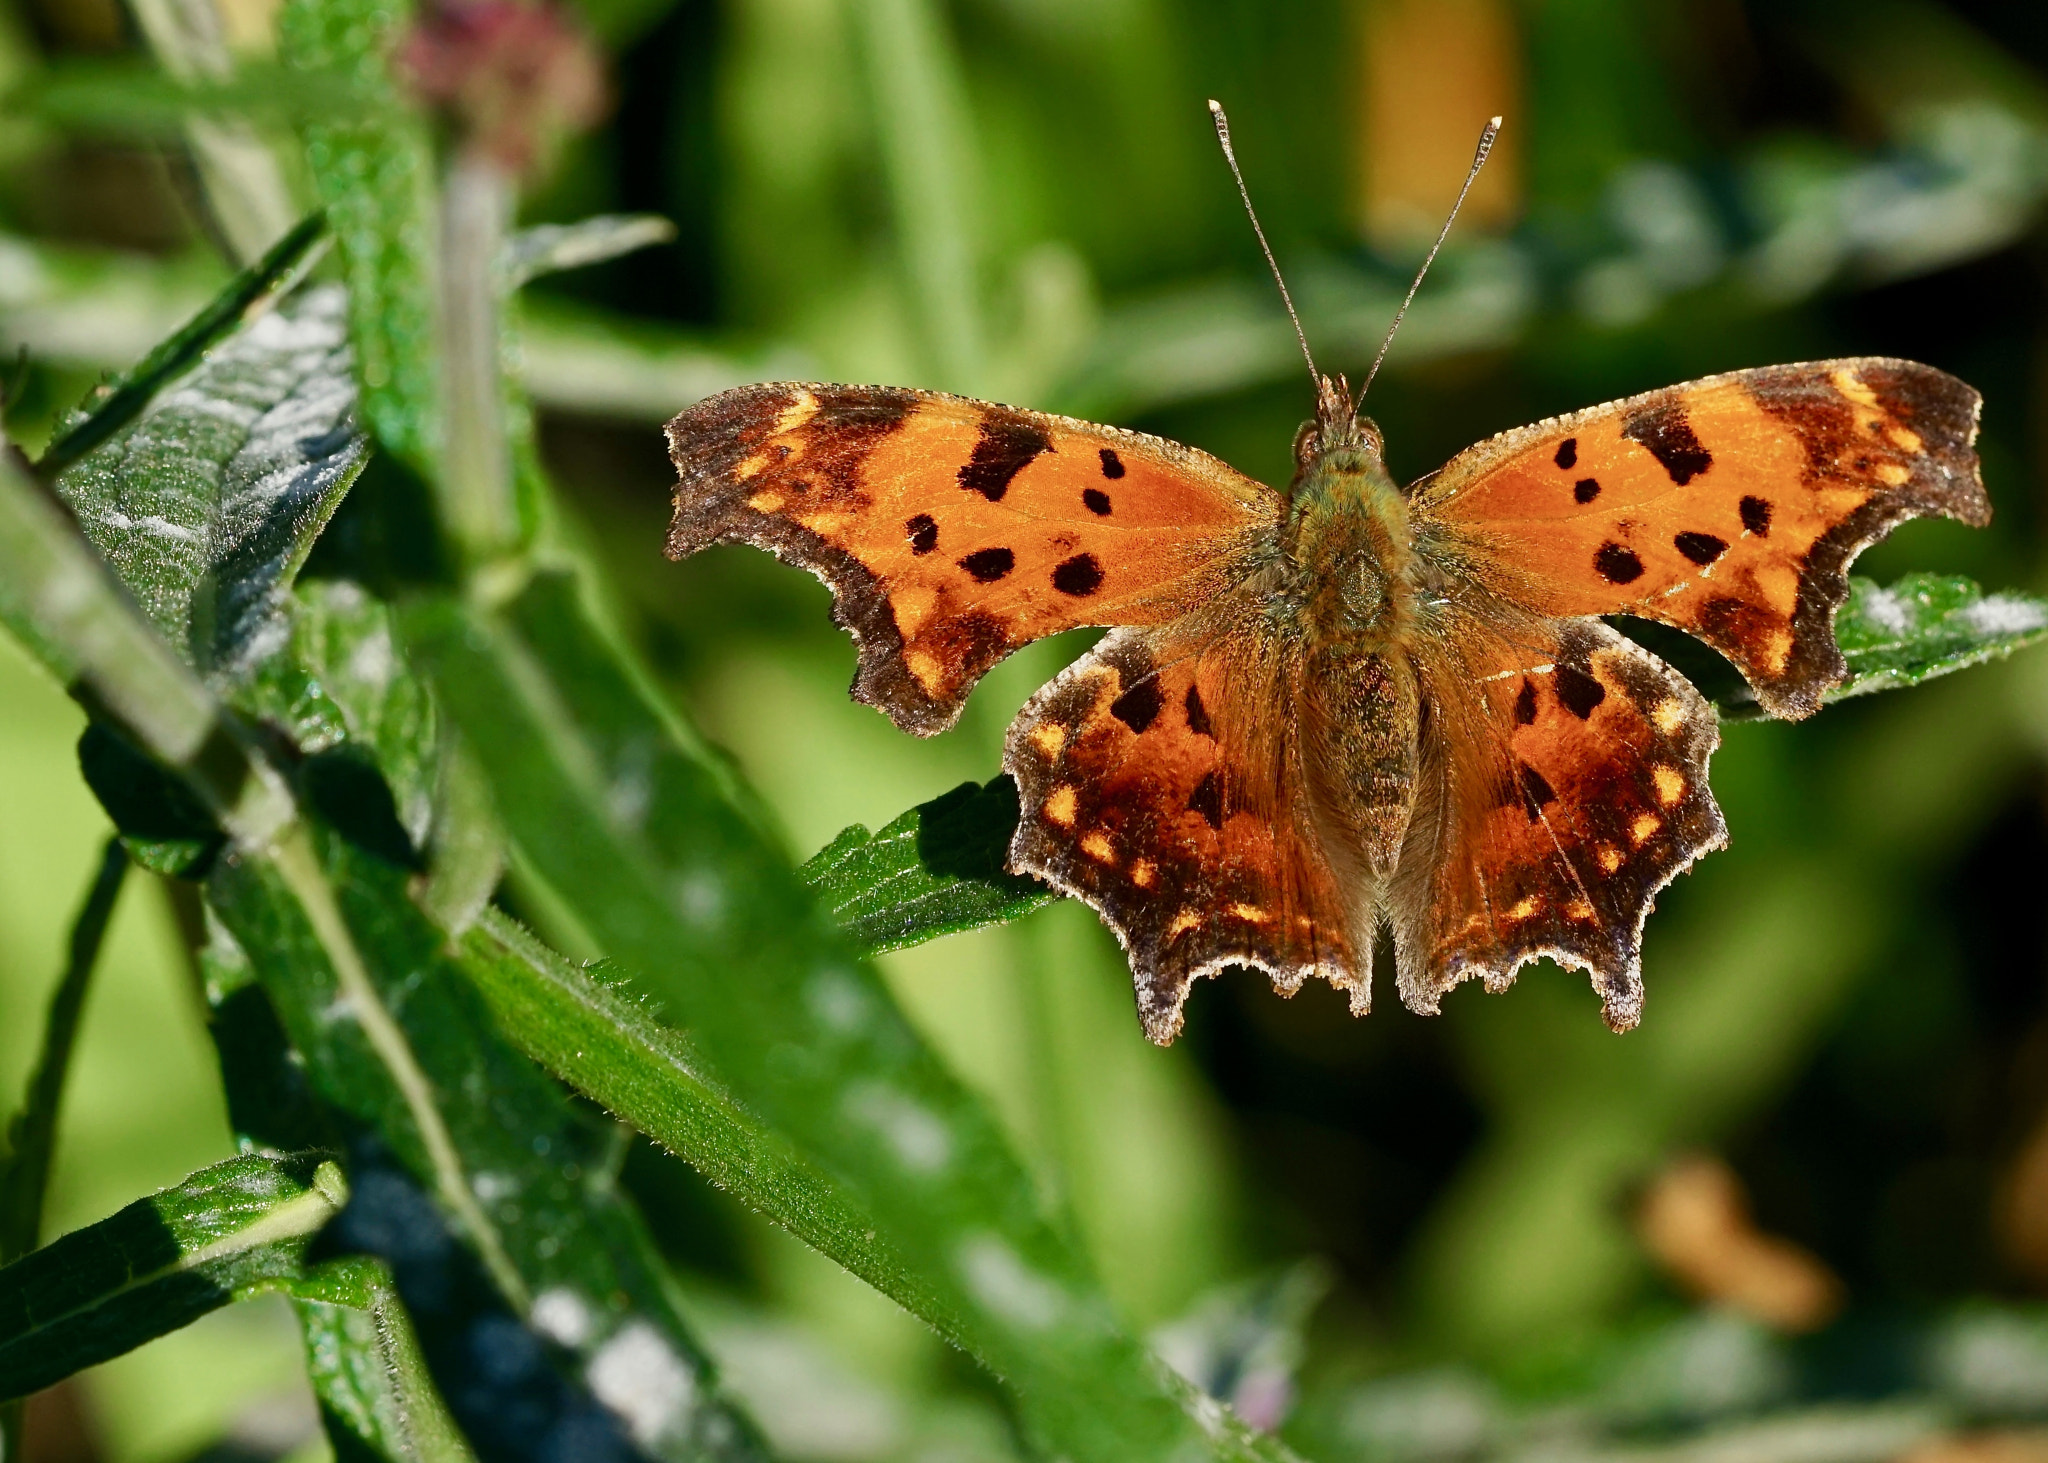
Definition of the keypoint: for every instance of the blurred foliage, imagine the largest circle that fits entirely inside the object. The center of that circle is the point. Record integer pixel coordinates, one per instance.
(1020, 198)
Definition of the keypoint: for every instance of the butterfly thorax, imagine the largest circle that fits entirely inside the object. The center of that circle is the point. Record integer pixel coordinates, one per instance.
(1350, 553)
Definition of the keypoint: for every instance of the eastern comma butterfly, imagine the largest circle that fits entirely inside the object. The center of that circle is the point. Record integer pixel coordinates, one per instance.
(1350, 704)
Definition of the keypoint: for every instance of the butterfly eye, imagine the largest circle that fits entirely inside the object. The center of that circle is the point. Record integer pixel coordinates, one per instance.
(1306, 440)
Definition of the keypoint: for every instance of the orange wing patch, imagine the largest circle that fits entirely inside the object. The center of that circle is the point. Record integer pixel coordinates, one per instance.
(952, 532)
(1559, 846)
(1154, 788)
(1730, 507)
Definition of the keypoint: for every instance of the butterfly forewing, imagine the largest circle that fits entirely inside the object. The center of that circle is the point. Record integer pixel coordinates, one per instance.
(1730, 507)
(952, 531)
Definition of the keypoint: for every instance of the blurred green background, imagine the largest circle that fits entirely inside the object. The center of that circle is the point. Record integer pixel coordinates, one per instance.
(1022, 199)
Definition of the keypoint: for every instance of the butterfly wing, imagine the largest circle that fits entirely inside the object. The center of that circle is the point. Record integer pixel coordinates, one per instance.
(1730, 507)
(951, 531)
(1569, 786)
(1157, 785)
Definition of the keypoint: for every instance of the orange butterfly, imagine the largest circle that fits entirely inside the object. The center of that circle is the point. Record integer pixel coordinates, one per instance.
(1348, 705)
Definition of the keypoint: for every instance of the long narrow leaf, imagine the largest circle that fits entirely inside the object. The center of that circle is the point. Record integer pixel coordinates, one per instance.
(638, 838)
(560, 1249)
(228, 1231)
(223, 314)
(32, 1136)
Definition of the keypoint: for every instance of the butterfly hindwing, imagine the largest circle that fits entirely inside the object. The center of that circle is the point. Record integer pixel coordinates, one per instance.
(951, 531)
(1730, 507)
(1595, 798)
(1154, 785)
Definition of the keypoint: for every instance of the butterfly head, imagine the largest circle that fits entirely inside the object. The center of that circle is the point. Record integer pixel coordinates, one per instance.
(1338, 440)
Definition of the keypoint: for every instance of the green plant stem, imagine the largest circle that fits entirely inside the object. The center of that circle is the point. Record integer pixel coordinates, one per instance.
(31, 1137)
(921, 117)
(476, 485)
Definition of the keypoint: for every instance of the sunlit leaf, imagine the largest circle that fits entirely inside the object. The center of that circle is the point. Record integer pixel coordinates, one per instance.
(207, 503)
(1928, 625)
(176, 353)
(228, 1231)
(551, 248)
(936, 870)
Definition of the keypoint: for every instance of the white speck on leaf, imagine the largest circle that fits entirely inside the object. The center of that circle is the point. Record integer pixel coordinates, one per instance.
(2004, 614)
(916, 1135)
(491, 1187)
(560, 1315)
(371, 663)
(1882, 608)
(700, 895)
(998, 1278)
(639, 1376)
(837, 1000)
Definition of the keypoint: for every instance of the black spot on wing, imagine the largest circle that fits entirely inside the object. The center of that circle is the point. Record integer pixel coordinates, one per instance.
(1006, 446)
(1664, 428)
(1577, 691)
(1525, 703)
(1701, 548)
(922, 532)
(1617, 565)
(1536, 792)
(1207, 799)
(1568, 453)
(1756, 516)
(1079, 576)
(1585, 490)
(1112, 465)
(1198, 714)
(1097, 501)
(1138, 707)
(989, 565)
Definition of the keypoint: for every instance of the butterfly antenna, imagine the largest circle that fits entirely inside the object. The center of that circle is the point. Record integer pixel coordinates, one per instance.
(1230, 156)
(1478, 161)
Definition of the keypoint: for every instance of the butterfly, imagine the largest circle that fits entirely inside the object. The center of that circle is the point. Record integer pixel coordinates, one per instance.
(1346, 706)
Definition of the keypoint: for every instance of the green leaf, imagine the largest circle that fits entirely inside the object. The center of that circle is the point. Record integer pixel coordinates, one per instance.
(594, 1029)
(1925, 625)
(375, 175)
(207, 502)
(377, 1398)
(1928, 625)
(618, 811)
(439, 1105)
(32, 1135)
(551, 248)
(935, 870)
(229, 1231)
(225, 313)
